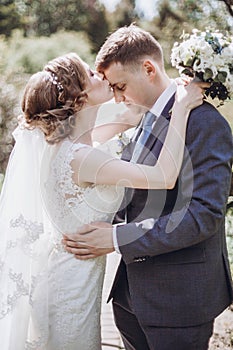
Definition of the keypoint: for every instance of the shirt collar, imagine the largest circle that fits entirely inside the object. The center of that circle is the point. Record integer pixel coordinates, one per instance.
(161, 102)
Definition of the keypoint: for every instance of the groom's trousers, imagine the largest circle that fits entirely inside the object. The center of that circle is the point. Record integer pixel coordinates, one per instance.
(144, 337)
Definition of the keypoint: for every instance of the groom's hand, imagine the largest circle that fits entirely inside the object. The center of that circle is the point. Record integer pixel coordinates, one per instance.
(90, 241)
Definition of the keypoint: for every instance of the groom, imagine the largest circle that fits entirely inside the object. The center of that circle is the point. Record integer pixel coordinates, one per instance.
(174, 276)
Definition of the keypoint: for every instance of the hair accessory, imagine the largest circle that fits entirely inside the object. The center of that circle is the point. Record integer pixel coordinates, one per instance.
(56, 82)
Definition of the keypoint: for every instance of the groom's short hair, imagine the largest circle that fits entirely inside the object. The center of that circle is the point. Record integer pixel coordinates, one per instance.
(128, 45)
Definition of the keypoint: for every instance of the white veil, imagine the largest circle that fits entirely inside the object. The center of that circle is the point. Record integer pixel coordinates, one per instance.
(24, 246)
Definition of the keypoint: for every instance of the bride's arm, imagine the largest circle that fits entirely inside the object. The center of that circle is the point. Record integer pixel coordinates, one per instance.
(94, 166)
(121, 122)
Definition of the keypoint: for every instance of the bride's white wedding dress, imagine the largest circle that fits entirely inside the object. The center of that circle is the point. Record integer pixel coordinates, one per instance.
(75, 286)
(59, 308)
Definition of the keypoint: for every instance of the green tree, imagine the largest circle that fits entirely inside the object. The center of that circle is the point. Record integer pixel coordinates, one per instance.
(43, 18)
(97, 28)
(9, 17)
(124, 14)
(195, 12)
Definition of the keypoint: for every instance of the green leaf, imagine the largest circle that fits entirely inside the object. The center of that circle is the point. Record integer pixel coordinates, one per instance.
(188, 72)
(222, 77)
(188, 62)
(208, 74)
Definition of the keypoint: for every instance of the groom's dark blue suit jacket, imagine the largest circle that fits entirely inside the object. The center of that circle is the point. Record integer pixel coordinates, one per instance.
(173, 246)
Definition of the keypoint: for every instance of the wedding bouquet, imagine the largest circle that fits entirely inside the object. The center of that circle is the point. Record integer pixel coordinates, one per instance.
(207, 56)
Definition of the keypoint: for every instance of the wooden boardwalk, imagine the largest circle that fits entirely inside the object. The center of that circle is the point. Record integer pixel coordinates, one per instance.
(110, 336)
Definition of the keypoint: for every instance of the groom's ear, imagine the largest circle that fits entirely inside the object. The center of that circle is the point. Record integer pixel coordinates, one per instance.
(149, 68)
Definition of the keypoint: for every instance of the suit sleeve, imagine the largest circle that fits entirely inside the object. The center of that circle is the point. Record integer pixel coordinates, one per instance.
(210, 148)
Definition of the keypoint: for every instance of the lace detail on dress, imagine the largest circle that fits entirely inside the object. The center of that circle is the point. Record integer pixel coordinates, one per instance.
(27, 238)
(21, 289)
(32, 230)
(64, 173)
(27, 234)
(59, 185)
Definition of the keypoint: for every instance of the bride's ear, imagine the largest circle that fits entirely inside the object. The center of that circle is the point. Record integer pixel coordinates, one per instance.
(150, 69)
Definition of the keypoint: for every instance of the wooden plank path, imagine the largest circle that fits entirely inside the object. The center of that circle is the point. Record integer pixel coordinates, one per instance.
(110, 336)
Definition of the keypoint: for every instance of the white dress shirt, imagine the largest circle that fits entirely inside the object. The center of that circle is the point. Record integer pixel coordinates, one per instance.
(156, 109)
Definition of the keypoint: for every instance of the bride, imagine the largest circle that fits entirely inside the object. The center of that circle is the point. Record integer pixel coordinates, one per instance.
(55, 182)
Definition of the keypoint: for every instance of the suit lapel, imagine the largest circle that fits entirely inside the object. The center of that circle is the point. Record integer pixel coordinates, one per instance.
(128, 149)
(161, 124)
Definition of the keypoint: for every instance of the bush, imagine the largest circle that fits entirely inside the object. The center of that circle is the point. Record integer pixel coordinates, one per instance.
(29, 55)
(8, 121)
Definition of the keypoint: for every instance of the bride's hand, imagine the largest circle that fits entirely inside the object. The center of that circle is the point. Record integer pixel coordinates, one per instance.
(189, 96)
(183, 80)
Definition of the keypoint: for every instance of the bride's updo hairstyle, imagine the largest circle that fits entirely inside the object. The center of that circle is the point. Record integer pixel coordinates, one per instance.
(54, 95)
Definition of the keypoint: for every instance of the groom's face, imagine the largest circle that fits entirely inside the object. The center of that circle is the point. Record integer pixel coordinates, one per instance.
(132, 86)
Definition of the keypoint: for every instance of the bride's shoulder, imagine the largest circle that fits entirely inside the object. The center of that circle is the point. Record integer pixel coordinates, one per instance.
(66, 151)
(69, 146)
(76, 150)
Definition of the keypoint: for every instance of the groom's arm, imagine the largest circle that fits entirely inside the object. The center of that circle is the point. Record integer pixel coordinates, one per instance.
(209, 141)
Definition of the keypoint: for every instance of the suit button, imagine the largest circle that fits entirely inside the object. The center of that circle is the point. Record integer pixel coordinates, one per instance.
(140, 259)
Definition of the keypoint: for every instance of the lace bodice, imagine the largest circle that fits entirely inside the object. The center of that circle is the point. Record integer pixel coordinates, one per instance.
(71, 206)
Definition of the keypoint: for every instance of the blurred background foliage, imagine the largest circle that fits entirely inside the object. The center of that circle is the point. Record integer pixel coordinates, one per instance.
(34, 31)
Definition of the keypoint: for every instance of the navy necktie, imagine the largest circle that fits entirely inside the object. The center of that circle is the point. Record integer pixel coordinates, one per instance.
(147, 122)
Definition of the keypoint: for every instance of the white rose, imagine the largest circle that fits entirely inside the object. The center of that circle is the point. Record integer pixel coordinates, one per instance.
(227, 53)
(218, 61)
